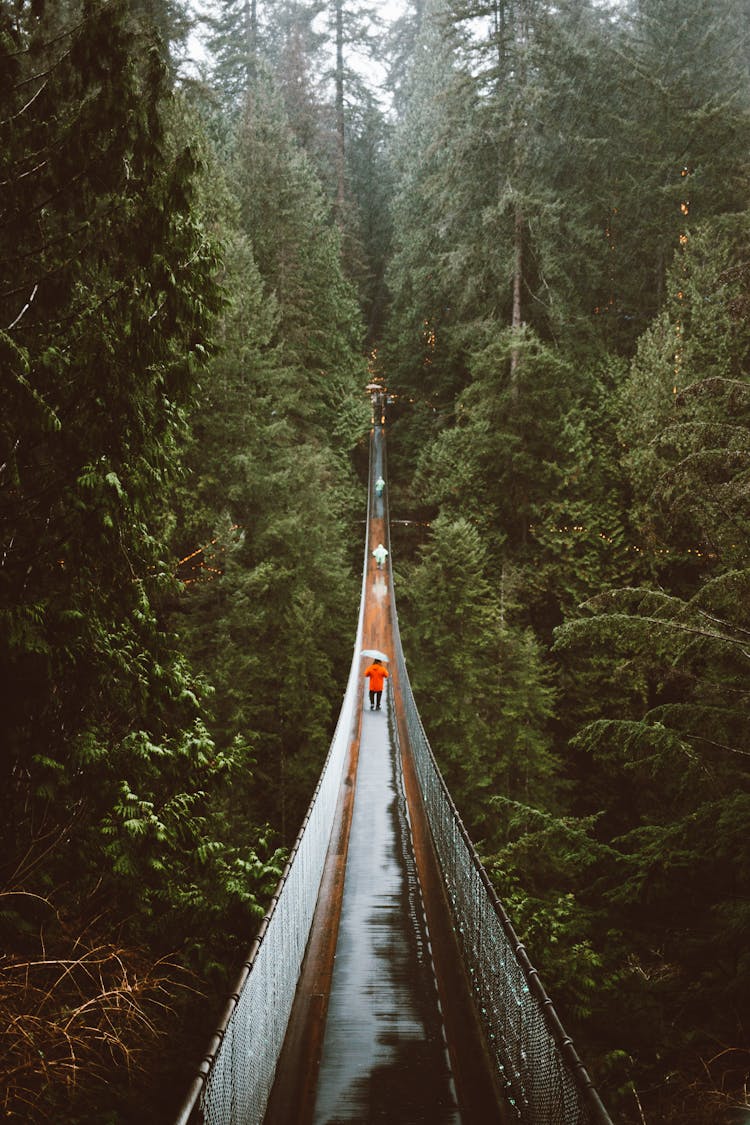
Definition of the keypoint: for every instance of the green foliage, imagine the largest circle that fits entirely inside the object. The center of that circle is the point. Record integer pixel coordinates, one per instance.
(107, 332)
(595, 160)
(497, 462)
(684, 406)
(545, 874)
(570, 194)
(481, 681)
(113, 792)
(234, 43)
(165, 839)
(679, 767)
(286, 216)
(270, 594)
(580, 535)
(370, 177)
(688, 115)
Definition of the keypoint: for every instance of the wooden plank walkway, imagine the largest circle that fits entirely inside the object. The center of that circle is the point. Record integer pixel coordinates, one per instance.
(383, 1028)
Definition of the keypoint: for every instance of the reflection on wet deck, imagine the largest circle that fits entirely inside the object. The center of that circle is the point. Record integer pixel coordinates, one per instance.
(384, 1056)
(367, 1035)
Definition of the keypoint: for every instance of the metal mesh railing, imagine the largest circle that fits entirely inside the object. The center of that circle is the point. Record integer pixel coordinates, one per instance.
(545, 1081)
(233, 1085)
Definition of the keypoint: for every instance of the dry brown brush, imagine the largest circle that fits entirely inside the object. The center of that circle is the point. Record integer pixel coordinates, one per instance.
(77, 1018)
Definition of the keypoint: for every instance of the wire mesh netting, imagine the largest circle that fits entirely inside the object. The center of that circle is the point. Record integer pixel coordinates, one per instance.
(535, 1061)
(234, 1084)
(239, 1081)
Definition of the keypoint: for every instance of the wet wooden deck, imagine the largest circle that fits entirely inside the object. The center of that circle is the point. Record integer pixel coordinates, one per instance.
(382, 1028)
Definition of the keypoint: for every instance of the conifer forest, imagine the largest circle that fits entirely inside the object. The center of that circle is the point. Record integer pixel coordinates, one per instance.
(219, 221)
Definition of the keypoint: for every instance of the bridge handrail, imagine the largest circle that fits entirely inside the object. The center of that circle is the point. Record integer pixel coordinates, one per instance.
(535, 1059)
(235, 1078)
(545, 1081)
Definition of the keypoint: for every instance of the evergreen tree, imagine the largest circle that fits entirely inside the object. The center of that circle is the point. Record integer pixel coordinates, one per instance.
(581, 534)
(286, 216)
(418, 349)
(106, 321)
(295, 42)
(172, 21)
(496, 463)
(683, 411)
(268, 611)
(367, 244)
(671, 743)
(234, 42)
(480, 680)
(353, 27)
(402, 52)
(680, 127)
(108, 296)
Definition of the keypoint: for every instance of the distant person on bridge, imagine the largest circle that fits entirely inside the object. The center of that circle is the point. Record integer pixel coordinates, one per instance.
(380, 554)
(377, 673)
(379, 486)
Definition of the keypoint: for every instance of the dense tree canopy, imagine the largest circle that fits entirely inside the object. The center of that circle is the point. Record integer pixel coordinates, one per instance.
(124, 272)
(540, 241)
(568, 327)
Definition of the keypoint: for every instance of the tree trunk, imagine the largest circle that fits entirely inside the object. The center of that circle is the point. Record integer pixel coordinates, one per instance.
(516, 319)
(250, 20)
(340, 140)
(520, 18)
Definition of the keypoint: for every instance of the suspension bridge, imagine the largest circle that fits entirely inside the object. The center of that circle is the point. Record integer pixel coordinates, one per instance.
(386, 982)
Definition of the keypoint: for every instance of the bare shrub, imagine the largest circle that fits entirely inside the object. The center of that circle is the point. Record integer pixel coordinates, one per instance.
(73, 1018)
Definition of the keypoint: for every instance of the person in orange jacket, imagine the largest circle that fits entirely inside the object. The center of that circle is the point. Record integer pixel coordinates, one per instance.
(377, 673)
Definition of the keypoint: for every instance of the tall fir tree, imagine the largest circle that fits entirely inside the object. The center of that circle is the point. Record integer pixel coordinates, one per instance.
(112, 852)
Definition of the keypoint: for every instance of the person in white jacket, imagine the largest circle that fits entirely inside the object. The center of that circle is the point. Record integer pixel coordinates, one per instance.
(380, 554)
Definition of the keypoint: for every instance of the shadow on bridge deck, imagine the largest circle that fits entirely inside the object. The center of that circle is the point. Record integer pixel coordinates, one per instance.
(383, 1026)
